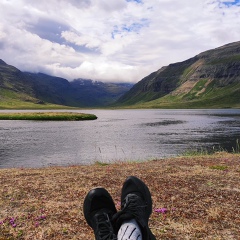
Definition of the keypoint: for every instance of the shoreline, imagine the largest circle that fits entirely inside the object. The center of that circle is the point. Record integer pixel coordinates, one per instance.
(201, 195)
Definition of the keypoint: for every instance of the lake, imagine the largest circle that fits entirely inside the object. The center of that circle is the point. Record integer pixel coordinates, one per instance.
(117, 135)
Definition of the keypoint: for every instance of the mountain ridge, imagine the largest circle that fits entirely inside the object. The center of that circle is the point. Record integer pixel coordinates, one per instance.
(24, 89)
(197, 79)
(210, 79)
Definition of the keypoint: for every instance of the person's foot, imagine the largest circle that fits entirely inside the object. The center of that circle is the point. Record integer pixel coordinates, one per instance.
(136, 203)
(98, 209)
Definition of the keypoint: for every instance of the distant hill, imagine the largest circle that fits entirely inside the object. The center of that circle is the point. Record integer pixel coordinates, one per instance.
(37, 90)
(210, 79)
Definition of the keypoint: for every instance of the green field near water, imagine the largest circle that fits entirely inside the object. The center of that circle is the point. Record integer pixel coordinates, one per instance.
(48, 116)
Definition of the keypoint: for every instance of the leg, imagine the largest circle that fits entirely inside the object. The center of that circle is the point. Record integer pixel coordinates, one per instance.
(98, 209)
(136, 204)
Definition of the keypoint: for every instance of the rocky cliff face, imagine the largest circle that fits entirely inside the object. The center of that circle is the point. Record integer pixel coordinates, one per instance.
(221, 64)
(210, 70)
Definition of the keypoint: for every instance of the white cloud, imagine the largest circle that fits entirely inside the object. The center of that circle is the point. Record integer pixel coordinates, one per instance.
(115, 40)
(81, 40)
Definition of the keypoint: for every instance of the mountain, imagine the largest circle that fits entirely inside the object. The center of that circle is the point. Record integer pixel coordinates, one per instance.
(210, 79)
(37, 90)
(15, 87)
(96, 93)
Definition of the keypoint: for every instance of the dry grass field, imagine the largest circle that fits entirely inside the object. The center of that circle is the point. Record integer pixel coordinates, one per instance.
(193, 198)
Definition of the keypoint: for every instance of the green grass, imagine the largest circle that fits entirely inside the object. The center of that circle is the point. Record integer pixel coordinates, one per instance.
(236, 149)
(203, 151)
(225, 60)
(187, 71)
(17, 100)
(220, 97)
(196, 89)
(48, 116)
(30, 105)
(99, 163)
(219, 167)
(196, 152)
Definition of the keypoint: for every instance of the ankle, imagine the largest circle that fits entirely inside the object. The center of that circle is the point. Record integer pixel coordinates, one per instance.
(130, 230)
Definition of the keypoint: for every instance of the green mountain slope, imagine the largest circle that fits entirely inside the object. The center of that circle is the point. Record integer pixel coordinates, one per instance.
(15, 88)
(30, 90)
(208, 80)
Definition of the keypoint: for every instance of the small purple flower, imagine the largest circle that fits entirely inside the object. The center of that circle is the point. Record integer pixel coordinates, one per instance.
(161, 210)
(42, 217)
(1, 222)
(12, 220)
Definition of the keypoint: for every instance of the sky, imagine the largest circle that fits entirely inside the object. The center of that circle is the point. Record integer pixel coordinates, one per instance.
(112, 40)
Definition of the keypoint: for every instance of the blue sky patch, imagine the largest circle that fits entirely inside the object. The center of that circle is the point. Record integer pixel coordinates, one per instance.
(229, 4)
(51, 31)
(134, 27)
(137, 1)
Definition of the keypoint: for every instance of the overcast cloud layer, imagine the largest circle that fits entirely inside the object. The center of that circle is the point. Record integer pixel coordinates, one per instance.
(112, 40)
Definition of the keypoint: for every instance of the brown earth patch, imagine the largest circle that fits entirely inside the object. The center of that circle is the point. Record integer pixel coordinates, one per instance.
(200, 195)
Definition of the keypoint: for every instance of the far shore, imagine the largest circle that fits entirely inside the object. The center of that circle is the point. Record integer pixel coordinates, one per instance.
(195, 197)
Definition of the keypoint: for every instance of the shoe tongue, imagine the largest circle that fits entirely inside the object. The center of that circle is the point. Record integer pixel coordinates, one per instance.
(132, 195)
(135, 195)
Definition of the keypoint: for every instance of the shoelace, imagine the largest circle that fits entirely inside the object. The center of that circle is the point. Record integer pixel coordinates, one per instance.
(104, 227)
(133, 203)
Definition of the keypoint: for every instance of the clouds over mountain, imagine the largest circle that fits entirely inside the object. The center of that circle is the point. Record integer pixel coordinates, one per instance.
(117, 40)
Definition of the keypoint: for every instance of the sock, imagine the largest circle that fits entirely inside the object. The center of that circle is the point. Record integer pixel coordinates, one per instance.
(130, 230)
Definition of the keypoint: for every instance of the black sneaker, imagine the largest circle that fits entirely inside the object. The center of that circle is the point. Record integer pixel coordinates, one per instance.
(98, 209)
(136, 203)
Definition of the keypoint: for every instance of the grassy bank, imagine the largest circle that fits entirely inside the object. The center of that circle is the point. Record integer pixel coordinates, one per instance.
(17, 103)
(193, 198)
(47, 116)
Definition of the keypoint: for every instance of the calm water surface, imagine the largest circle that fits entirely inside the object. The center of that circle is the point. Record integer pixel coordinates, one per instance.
(116, 135)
